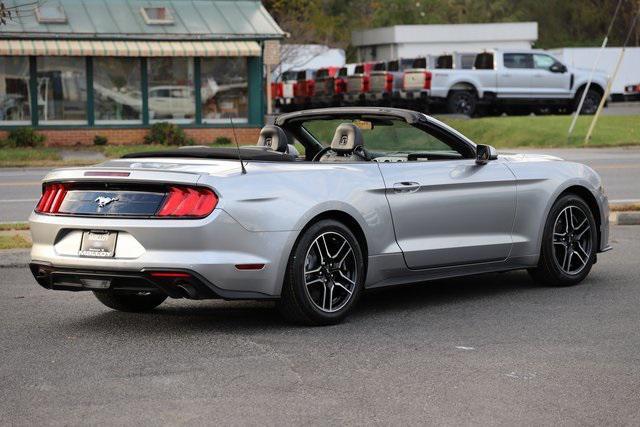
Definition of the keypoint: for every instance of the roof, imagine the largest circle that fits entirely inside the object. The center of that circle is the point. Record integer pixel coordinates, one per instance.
(123, 19)
(449, 33)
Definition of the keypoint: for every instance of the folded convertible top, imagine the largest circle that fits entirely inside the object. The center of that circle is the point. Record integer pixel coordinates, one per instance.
(251, 153)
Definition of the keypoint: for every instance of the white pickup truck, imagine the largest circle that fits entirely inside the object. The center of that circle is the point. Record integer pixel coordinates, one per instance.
(515, 82)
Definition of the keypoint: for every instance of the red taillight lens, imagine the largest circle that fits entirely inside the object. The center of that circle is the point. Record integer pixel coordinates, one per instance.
(339, 86)
(52, 198)
(276, 90)
(311, 87)
(427, 80)
(365, 84)
(188, 202)
(388, 83)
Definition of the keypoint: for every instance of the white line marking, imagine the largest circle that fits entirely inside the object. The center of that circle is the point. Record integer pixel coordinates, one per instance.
(19, 200)
(460, 347)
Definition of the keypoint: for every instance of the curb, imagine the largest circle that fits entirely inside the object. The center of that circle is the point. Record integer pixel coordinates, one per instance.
(625, 218)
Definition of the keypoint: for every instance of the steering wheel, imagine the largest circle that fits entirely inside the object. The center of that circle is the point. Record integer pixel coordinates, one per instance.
(320, 153)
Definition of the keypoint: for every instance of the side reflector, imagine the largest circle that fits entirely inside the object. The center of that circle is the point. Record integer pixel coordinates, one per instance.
(249, 266)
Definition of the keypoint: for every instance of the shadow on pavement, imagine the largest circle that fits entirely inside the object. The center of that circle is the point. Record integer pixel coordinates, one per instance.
(231, 316)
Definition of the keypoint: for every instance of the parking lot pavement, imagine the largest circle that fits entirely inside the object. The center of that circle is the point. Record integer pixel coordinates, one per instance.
(492, 349)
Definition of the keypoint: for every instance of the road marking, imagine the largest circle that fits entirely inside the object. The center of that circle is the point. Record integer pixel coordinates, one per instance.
(19, 183)
(19, 200)
(460, 347)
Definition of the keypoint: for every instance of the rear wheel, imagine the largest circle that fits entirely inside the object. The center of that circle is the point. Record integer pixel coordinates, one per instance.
(462, 102)
(129, 302)
(325, 275)
(568, 244)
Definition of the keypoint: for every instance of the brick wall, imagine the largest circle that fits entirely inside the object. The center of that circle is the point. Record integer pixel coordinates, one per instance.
(71, 137)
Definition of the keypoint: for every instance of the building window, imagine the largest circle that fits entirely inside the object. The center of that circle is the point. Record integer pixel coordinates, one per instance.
(51, 14)
(224, 89)
(156, 15)
(14, 90)
(62, 90)
(117, 90)
(171, 90)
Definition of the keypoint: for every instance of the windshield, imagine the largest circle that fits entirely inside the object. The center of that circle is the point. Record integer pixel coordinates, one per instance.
(382, 136)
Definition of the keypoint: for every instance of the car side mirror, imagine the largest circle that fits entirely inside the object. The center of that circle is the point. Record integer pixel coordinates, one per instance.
(484, 153)
(558, 68)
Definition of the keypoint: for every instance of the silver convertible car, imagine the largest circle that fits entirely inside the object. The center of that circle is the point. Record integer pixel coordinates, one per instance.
(329, 203)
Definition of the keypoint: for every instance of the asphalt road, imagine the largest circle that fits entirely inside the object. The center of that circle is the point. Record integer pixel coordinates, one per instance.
(491, 349)
(619, 168)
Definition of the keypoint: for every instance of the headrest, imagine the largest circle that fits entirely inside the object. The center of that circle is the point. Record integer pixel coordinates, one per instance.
(274, 138)
(347, 137)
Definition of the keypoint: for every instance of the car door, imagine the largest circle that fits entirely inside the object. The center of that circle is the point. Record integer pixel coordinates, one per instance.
(514, 78)
(546, 83)
(451, 212)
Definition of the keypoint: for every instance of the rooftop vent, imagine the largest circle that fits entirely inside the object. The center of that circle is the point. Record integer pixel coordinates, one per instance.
(157, 15)
(51, 14)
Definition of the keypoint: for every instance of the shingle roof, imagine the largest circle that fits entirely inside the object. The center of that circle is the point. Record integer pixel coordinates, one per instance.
(122, 19)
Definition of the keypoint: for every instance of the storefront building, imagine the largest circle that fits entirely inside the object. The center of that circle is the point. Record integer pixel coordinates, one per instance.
(77, 68)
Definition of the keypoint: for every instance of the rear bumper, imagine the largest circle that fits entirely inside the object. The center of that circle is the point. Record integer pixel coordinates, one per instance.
(192, 286)
(210, 248)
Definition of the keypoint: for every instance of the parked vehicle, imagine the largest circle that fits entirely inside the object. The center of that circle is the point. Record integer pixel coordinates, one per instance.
(416, 85)
(386, 81)
(632, 92)
(359, 211)
(304, 89)
(328, 87)
(285, 91)
(514, 82)
(358, 84)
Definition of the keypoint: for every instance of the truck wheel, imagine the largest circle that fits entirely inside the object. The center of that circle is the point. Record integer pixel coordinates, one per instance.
(591, 102)
(462, 102)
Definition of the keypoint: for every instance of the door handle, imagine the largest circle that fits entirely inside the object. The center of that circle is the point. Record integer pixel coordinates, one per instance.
(406, 187)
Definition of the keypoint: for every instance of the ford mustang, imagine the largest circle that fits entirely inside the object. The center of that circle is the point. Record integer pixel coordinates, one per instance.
(329, 203)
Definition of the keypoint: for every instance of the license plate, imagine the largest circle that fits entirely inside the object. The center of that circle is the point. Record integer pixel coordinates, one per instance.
(98, 244)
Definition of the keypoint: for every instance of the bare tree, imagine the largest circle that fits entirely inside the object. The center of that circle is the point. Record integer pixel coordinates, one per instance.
(17, 10)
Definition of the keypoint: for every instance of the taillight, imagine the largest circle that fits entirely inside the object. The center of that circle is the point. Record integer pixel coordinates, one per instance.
(365, 84)
(188, 202)
(427, 80)
(339, 86)
(311, 87)
(388, 83)
(52, 197)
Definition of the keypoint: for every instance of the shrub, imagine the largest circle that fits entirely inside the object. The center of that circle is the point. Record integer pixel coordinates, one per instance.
(100, 140)
(25, 137)
(164, 133)
(222, 140)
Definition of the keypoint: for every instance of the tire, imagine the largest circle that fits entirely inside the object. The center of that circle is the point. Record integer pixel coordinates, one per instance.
(133, 303)
(591, 102)
(462, 102)
(574, 246)
(322, 294)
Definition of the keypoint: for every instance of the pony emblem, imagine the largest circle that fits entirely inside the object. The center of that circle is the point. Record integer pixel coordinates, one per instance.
(104, 201)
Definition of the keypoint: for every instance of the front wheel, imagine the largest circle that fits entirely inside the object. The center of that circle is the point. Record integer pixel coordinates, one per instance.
(591, 102)
(569, 244)
(325, 275)
(462, 102)
(129, 302)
